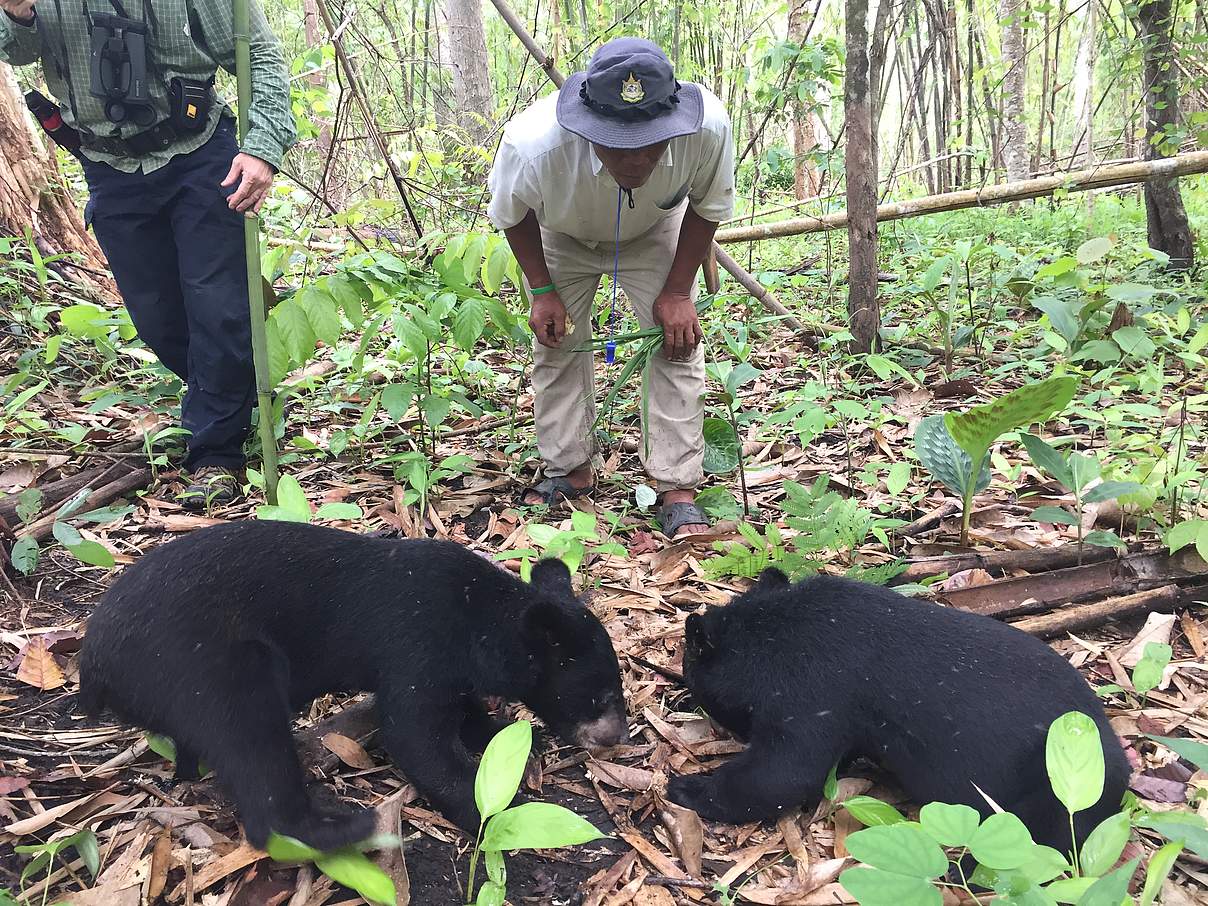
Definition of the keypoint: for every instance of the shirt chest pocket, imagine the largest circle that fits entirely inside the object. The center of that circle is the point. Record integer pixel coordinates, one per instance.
(669, 201)
(171, 38)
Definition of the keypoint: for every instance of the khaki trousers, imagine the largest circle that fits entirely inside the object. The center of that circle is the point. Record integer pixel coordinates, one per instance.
(564, 381)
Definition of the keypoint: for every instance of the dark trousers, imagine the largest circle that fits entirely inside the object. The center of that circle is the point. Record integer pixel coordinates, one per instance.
(177, 255)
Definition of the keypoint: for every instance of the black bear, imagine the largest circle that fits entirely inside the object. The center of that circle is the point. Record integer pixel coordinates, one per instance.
(217, 639)
(831, 669)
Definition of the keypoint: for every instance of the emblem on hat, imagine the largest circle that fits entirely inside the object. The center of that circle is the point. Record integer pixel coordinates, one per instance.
(632, 91)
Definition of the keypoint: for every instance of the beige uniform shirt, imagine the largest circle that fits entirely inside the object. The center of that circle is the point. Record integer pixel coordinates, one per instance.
(541, 167)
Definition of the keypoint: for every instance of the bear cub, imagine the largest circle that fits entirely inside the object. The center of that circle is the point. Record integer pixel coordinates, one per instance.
(219, 638)
(832, 669)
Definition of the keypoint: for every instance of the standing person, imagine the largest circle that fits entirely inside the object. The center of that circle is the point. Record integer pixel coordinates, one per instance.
(169, 186)
(623, 168)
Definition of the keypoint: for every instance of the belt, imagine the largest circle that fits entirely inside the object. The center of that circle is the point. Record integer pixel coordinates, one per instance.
(158, 138)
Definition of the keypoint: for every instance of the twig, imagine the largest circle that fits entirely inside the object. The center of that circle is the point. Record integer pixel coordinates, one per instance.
(86, 454)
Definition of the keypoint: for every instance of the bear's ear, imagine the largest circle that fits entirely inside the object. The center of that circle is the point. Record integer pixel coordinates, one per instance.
(698, 634)
(772, 579)
(552, 577)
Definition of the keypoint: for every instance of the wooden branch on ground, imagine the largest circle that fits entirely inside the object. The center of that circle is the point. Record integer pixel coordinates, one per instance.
(106, 494)
(757, 290)
(1077, 181)
(1087, 616)
(749, 283)
(992, 561)
(927, 522)
(358, 721)
(58, 491)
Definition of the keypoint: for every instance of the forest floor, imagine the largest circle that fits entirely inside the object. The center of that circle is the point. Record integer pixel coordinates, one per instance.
(180, 842)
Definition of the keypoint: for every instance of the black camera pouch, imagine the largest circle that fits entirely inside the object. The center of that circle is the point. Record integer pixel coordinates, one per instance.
(190, 101)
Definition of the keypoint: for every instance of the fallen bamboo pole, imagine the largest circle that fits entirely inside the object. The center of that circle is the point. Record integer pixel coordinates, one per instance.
(1087, 616)
(1076, 181)
(748, 282)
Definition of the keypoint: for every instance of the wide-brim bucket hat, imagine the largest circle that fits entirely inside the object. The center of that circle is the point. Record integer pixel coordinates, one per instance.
(629, 98)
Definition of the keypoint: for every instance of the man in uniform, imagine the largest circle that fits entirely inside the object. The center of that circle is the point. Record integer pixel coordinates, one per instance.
(623, 168)
(168, 185)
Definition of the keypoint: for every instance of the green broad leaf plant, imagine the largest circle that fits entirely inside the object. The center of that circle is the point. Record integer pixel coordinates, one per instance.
(912, 862)
(504, 827)
(955, 448)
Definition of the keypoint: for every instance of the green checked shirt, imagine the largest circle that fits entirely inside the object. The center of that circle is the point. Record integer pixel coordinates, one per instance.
(188, 38)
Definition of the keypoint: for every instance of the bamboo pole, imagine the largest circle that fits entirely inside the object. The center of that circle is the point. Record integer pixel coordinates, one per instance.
(251, 242)
(1077, 181)
(757, 290)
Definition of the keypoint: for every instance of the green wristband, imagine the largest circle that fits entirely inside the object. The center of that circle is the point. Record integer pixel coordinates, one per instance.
(542, 290)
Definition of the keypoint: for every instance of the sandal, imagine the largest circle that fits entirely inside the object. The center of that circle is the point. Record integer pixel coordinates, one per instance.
(674, 516)
(551, 489)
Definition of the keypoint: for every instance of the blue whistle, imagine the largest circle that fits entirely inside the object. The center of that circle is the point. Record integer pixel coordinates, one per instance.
(610, 352)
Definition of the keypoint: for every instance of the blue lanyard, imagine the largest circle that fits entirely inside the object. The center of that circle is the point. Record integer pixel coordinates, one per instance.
(610, 348)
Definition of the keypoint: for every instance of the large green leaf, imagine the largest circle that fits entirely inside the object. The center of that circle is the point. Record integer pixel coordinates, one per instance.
(1158, 870)
(721, 447)
(293, 326)
(342, 290)
(1063, 315)
(502, 768)
(949, 825)
(1105, 844)
(25, 555)
(469, 321)
(537, 825)
(873, 812)
(1074, 760)
(279, 361)
(1134, 341)
(1070, 890)
(1049, 459)
(1185, 827)
(356, 871)
(1111, 889)
(496, 267)
(1093, 249)
(874, 887)
(940, 456)
(321, 312)
(292, 505)
(903, 849)
(1195, 752)
(1002, 842)
(92, 553)
(975, 430)
(1110, 490)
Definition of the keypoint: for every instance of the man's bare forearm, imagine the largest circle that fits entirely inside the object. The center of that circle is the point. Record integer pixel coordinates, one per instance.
(525, 241)
(695, 240)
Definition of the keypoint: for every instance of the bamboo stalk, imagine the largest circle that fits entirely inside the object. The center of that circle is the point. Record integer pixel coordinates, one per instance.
(251, 242)
(1077, 181)
(748, 282)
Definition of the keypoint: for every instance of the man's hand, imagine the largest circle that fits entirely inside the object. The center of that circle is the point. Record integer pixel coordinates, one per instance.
(675, 313)
(254, 176)
(548, 319)
(21, 11)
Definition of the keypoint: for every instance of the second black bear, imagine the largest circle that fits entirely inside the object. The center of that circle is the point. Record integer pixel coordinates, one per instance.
(217, 639)
(828, 669)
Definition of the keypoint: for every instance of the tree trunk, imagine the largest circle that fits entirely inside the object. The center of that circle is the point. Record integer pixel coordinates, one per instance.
(33, 195)
(1014, 135)
(1169, 230)
(466, 57)
(805, 137)
(861, 166)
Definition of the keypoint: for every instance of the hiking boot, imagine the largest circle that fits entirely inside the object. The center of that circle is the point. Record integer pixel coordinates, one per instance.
(209, 487)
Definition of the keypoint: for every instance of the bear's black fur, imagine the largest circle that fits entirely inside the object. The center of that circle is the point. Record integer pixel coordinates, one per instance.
(218, 638)
(827, 669)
